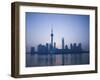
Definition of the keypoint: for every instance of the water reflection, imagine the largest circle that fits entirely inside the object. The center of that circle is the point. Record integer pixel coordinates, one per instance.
(33, 60)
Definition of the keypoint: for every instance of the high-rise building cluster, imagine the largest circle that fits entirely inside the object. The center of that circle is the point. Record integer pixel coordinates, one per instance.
(52, 49)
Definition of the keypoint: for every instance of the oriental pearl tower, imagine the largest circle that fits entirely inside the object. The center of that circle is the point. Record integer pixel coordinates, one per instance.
(52, 38)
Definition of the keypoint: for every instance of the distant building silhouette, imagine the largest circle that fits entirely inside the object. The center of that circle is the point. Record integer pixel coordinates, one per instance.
(66, 47)
(32, 50)
(54, 45)
(71, 46)
(47, 47)
(74, 47)
(80, 46)
(63, 45)
(42, 49)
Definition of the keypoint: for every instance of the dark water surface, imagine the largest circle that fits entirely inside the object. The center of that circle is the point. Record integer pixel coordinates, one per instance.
(34, 60)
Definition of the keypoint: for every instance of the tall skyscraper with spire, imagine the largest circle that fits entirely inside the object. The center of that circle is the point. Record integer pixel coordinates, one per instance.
(52, 38)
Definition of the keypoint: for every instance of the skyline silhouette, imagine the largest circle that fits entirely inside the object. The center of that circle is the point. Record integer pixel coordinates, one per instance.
(50, 48)
(68, 29)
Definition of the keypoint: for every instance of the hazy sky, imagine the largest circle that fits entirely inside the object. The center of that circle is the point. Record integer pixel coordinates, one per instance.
(73, 28)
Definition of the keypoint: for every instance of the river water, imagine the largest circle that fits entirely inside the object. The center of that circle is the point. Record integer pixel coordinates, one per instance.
(34, 60)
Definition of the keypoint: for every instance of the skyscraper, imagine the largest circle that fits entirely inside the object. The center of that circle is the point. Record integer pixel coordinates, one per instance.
(54, 45)
(51, 38)
(63, 43)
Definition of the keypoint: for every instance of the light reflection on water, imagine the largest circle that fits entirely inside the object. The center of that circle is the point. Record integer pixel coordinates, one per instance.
(56, 59)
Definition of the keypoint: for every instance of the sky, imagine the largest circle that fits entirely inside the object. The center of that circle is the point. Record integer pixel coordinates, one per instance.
(73, 28)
